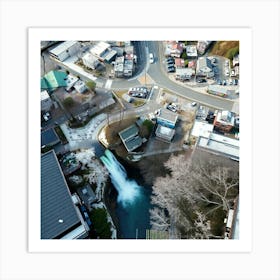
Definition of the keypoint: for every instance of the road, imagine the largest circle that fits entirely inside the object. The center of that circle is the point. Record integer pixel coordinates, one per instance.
(160, 77)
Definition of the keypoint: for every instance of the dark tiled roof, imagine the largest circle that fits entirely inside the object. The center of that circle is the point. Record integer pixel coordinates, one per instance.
(49, 137)
(57, 209)
(129, 132)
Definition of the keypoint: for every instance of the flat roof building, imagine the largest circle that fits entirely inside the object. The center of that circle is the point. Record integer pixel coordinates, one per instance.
(191, 51)
(220, 90)
(220, 144)
(46, 102)
(224, 121)
(70, 81)
(165, 133)
(167, 118)
(49, 138)
(204, 67)
(60, 217)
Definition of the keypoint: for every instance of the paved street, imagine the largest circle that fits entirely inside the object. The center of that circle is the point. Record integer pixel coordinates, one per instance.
(156, 72)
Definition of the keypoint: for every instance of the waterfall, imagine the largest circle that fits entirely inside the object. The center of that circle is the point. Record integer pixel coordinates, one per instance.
(128, 190)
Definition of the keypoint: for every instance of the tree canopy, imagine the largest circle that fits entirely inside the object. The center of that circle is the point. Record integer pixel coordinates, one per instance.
(185, 202)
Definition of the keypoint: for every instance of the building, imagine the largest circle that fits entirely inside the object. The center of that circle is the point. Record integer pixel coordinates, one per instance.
(110, 55)
(184, 73)
(87, 196)
(167, 118)
(100, 49)
(53, 80)
(174, 48)
(220, 90)
(128, 68)
(191, 51)
(202, 46)
(165, 133)
(235, 61)
(220, 144)
(46, 102)
(179, 63)
(119, 67)
(192, 64)
(60, 216)
(201, 128)
(90, 61)
(49, 138)
(65, 50)
(130, 138)
(80, 86)
(224, 121)
(70, 81)
(204, 67)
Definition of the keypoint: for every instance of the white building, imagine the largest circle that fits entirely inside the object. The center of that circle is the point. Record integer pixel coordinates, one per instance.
(191, 51)
(100, 49)
(65, 50)
(165, 133)
(46, 102)
(70, 81)
(80, 86)
(90, 61)
(204, 67)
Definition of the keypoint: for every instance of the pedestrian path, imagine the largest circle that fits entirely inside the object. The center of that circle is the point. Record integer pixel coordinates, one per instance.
(108, 84)
(85, 136)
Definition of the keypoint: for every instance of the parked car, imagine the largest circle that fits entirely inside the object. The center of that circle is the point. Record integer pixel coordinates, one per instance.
(151, 58)
(201, 81)
(171, 108)
(193, 104)
(46, 116)
(170, 59)
(170, 69)
(219, 82)
(224, 82)
(235, 82)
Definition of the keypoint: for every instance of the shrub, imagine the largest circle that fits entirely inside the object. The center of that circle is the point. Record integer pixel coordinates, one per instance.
(68, 102)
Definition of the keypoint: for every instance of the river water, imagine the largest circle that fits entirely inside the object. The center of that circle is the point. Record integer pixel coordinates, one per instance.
(133, 200)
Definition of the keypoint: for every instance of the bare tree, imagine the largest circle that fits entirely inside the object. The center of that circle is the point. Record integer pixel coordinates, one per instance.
(196, 187)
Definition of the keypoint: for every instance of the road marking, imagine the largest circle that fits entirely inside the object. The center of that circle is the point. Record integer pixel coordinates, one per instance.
(108, 84)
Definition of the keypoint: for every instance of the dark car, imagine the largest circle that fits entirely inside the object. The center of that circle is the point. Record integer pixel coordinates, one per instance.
(171, 108)
(201, 81)
(170, 59)
(170, 69)
(219, 82)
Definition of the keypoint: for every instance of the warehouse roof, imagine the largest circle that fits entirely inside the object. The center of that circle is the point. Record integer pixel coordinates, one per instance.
(58, 214)
(62, 47)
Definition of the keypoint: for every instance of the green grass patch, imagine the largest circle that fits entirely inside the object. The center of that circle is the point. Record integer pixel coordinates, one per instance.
(120, 93)
(98, 217)
(138, 103)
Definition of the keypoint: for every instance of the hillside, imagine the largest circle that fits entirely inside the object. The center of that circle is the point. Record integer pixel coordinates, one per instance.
(225, 48)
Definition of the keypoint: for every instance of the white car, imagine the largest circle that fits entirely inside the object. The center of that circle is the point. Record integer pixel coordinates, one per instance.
(151, 58)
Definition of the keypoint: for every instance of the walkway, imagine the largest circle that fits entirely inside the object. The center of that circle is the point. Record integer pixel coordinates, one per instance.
(86, 136)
